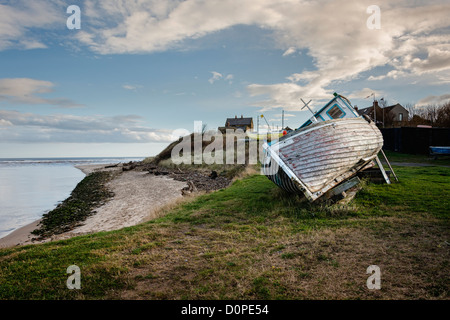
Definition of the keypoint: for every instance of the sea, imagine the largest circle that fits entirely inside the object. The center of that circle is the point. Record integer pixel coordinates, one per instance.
(31, 187)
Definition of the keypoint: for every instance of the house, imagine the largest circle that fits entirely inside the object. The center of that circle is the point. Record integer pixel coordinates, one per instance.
(392, 115)
(399, 113)
(237, 123)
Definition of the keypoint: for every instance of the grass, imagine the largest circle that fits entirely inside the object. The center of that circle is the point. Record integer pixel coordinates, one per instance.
(421, 189)
(253, 241)
(416, 158)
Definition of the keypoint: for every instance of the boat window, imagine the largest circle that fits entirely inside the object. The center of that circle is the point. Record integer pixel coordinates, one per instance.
(335, 112)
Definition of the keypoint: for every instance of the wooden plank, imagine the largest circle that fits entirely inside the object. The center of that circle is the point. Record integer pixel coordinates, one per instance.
(380, 165)
(390, 167)
(344, 186)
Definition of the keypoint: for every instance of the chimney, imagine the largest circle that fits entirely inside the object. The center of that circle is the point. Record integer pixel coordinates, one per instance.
(235, 116)
(242, 116)
(375, 103)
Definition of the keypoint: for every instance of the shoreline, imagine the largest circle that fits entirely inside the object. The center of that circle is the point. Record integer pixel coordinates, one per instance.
(138, 195)
(21, 236)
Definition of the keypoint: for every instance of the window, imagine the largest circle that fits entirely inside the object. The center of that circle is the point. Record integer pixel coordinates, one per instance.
(400, 117)
(335, 112)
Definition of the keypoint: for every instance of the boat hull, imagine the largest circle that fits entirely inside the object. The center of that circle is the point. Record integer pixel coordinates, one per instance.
(440, 150)
(317, 158)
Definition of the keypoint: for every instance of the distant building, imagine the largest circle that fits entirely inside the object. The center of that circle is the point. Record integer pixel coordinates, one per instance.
(398, 112)
(392, 116)
(237, 123)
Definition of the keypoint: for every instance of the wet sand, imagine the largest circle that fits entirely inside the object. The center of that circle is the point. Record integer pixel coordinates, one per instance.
(137, 197)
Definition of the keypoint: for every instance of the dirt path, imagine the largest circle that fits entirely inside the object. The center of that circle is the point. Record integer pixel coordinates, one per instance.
(414, 164)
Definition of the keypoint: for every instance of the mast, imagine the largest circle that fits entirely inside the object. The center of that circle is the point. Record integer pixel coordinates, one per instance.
(257, 125)
(270, 129)
(313, 119)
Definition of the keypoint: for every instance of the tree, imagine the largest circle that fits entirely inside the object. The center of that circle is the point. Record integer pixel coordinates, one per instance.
(432, 115)
(430, 112)
(443, 115)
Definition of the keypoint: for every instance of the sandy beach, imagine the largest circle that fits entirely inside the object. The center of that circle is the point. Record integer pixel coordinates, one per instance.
(137, 197)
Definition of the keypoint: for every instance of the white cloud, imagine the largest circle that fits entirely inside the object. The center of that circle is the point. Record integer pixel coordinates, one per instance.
(149, 26)
(433, 100)
(30, 127)
(215, 76)
(414, 37)
(286, 115)
(289, 51)
(436, 61)
(5, 123)
(17, 20)
(229, 78)
(366, 93)
(411, 40)
(29, 91)
(132, 87)
(287, 95)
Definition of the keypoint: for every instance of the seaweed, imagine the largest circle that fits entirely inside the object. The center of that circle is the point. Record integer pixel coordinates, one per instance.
(89, 194)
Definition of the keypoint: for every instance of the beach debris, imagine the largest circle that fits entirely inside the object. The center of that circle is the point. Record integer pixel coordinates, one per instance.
(189, 189)
(213, 174)
(201, 179)
(129, 166)
(112, 165)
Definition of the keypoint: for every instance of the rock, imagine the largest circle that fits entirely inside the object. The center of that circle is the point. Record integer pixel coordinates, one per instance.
(213, 175)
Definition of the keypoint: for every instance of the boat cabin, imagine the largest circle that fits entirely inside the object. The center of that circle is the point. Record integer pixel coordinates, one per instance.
(338, 107)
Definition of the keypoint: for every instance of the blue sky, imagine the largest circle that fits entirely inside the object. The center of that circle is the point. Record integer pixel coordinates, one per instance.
(138, 70)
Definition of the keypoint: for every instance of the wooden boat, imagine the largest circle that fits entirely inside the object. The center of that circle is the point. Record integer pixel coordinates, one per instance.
(321, 155)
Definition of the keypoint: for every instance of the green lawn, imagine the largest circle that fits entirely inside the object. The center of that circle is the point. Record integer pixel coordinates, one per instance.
(253, 241)
(416, 158)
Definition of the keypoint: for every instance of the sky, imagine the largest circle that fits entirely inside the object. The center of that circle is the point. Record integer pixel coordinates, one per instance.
(118, 78)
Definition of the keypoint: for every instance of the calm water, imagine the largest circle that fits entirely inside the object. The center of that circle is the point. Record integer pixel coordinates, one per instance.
(31, 187)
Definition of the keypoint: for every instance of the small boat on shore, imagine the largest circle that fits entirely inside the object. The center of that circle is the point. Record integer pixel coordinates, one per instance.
(323, 154)
(439, 151)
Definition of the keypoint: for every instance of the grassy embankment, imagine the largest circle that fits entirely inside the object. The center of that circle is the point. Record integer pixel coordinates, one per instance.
(253, 241)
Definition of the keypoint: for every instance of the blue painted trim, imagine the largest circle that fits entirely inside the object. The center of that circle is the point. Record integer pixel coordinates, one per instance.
(307, 123)
(339, 109)
(335, 100)
(440, 150)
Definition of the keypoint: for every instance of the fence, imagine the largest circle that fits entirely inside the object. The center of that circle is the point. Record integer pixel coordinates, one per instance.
(414, 140)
